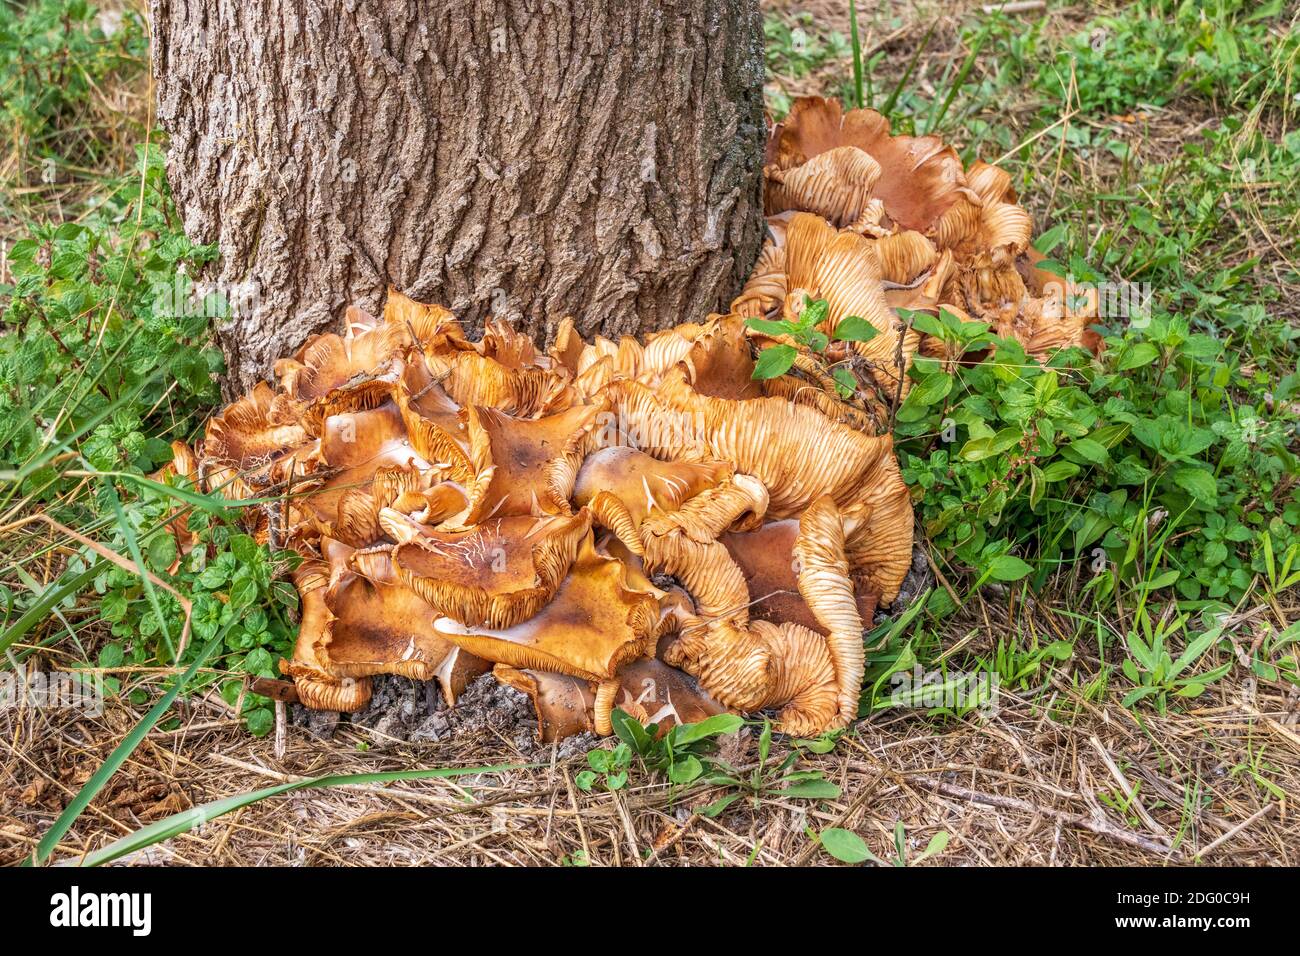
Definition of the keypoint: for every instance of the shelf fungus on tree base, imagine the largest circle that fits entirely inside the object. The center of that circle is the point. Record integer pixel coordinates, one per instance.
(637, 524)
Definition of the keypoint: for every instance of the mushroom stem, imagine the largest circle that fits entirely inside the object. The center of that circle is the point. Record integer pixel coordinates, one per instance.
(345, 694)
(827, 590)
(606, 694)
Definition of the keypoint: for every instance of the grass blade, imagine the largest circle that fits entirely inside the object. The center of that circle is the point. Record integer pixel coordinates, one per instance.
(118, 757)
(146, 578)
(857, 53)
(40, 610)
(907, 74)
(187, 820)
(960, 78)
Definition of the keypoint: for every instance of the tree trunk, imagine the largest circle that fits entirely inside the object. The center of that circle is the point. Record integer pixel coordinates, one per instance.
(520, 159)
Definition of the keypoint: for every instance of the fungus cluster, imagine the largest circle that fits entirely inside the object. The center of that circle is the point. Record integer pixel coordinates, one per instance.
(872, 222)
(634, 524)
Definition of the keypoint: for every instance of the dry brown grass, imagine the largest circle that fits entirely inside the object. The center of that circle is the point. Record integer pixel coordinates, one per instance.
(1040, 782)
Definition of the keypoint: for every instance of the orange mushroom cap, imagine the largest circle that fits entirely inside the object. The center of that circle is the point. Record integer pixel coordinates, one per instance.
(258, 438)
(920, 177)
(596, 621)
(496, 574)
(379, 626)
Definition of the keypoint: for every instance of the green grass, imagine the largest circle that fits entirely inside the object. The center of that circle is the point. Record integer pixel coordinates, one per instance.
(100, 372)
(62, 68)
(107, 357)
(797, 48)
(178, 823)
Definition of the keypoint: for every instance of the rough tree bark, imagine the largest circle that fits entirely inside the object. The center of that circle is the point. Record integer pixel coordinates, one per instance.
(527, 159)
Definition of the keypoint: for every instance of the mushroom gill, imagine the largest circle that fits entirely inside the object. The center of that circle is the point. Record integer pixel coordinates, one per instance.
(497, 574)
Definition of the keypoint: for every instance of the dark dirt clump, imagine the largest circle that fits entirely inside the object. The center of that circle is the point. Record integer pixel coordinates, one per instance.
(919, 579)
(403, 709)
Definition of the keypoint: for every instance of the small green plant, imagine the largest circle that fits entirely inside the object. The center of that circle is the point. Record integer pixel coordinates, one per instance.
(822, 744)
(109, 357)
(1147, 54)
(777, 359)
(891, 649)
(780, 780)
(1080, 459)
(680, 754)
(105, 348)
(57, 59)
(847, 847)
(1151, 665)
(1279, 578)
(685, 755)
(1277, 657)
(1015, 664)
(1123, 803)
(1256, 767)
(610, 765)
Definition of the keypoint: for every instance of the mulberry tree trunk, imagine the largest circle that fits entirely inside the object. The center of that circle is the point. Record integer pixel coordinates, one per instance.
(525, 159)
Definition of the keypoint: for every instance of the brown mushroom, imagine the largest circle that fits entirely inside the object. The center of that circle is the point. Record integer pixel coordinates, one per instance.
(332, 373)
(836, 185)
(356, 447)
(185, 466)
(920, 178)
(513, 458)
(496, 574)
(644, 483)
(766, 286)
(380, 626)
(317, 688)
(434, 423)
(430, 327)
(473, 378)
(845, 269)
(564, 704)
(763, 665)
(596, 621)
(796, 452)
(648, 690)
(655, 693)
(920, 192)
(254, 442)
(748, 665)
